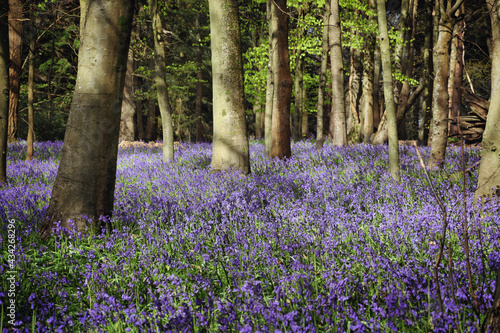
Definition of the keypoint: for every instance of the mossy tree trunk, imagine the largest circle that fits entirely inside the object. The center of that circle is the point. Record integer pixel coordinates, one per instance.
(230, 139)
(85, 182)
(161, 84)
(4, 87)
(283, 82)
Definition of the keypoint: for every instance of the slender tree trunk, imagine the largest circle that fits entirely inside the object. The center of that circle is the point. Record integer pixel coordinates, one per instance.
(305, 116)
(258, 120)
(85, 182)
(355, 130)
(127, 126)
(16, 47)
(161, 84)
(439, 125)
(337, 130)
(388, 91)
(377, 106)
(31, 79)
(4, 87)
(423, 130)
(230, 142)
(299, 87)
(320, 138)
(151, 121)
(199, 82)
(489, 170)
(283, 82)
(456, 93)
(367, 94)
(268, 121)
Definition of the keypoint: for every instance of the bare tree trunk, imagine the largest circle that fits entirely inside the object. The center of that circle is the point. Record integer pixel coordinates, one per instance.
(4, 88)
(489, 171)
(268, 121)
(305, 116)
(377, 106)
(230, 142)
(31, 79)
(439, 125)
(85, 181)
(199, 82)
(282, 82)
(456, 92)
(337, 130)
(259, 116)
(388, 91)
(320, 138)
(298, 91)
(161, 84)
(15, 48)
(127, 126)
(367, 94)
(423, 132)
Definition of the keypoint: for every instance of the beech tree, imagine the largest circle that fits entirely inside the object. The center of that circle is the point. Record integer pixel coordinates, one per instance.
(4, 87)
(230, 148)
(337, 129)
(15, 49)
(322, 78)
(85, 182)
(161, 84)
(283, 82)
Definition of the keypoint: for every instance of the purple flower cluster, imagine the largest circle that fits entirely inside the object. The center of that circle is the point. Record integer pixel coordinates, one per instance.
(323, 241)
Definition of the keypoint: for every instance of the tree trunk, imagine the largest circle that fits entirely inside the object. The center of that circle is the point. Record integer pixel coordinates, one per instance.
(199, 82)
(268, 121)
(305, 116)
(337, 130)
(377, 106)
(85, 182)
(355, 130)
(283, 82)
(456, 96)
(4, 88)
(151, 120)
(320, 138)
(388, 91)
(489, 171)
(31, 79)
(15, 47)
(230, 141)
(127, 126)
(298, 92)
(367, 94)
(423, 131)
(259, 116)
(439, 125)
(161, 84)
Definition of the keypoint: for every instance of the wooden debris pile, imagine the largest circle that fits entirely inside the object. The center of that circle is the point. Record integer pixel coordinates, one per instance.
(472, 126)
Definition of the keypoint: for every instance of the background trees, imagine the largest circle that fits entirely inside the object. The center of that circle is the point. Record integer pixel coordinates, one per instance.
(4, 88)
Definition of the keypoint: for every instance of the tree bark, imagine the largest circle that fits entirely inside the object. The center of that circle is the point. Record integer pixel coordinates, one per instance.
(283, 82)
(268, 121)
(85, 182)
(337, 128)
(489, 171)
(161, 84)
(127, 125)
(298, 92)
(439, 125)
(388, 92)
(320, 138)
(230, 141)
(4, 88)
(15, 48)
(31, 98)
(423, 130)
(199, 82)
(456, 93)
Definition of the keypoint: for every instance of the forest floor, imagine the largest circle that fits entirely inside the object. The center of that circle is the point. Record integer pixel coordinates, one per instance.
(324, 241)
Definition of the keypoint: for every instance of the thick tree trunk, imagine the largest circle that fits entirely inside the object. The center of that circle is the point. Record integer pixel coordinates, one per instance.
(85, 183)
(268, 121)
(283, 82)
(489, 171)
(439, 125)
(388, 91)
(230, 142)
(127, 125)
(320, 138)
(161, 84)
(15, 48)
(31, 96)
(4, 88)
(337, 130)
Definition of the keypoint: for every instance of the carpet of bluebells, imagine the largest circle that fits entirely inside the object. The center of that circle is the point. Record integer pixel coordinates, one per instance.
(323, 242)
